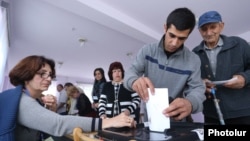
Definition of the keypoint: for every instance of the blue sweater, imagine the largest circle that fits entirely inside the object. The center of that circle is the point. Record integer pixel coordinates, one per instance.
(9, 101)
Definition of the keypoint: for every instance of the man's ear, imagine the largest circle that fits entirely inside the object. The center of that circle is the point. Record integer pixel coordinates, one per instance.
(222, 25)
(165, 28)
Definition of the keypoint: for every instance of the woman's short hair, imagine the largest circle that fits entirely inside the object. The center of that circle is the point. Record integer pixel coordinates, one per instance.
(26, 69)
(115, 65)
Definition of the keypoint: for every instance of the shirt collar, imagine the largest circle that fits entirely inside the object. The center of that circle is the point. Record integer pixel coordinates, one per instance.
(219, 44)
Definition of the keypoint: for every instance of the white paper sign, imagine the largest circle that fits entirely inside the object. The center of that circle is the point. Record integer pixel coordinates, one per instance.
(155, 106)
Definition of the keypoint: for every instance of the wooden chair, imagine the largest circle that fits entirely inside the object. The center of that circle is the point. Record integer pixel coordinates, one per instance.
(78, 135)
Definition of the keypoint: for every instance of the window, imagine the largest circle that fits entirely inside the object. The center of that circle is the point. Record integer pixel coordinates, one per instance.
(87, 88)
(4, 42)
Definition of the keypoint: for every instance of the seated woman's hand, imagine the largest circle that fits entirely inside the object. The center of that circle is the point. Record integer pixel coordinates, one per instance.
(121, 120)
(49, 102)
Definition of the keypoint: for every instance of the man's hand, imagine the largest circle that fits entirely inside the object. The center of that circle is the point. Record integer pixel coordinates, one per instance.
(238, 83)
(141, 85)
(178, 109)
(209, 85)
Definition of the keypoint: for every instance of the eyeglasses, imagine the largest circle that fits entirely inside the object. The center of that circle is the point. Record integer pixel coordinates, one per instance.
(46, 75)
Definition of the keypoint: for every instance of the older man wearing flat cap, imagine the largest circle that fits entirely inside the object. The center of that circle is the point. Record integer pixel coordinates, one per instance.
(224, 58)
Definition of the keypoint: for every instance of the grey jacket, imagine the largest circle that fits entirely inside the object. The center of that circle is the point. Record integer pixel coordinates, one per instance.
(32, 117)
(234, 58)
(180, 73)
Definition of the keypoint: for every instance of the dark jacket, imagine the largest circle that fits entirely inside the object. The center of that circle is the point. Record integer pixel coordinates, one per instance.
(233, 59)
(84, 106)
(97, 90)
(9, 102)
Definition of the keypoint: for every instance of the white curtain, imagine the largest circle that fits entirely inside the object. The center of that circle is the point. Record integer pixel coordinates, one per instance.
(4, 44)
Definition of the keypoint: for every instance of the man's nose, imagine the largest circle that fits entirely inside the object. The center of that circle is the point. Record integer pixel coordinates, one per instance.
(175, 42)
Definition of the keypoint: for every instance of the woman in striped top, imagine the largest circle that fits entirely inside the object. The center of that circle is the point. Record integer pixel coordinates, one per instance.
(116, 99)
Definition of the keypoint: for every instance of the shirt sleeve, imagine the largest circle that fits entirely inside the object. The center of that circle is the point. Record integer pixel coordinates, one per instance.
(32, 115)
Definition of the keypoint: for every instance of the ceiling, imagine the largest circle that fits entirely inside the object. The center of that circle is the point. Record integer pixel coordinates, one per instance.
(114, 30)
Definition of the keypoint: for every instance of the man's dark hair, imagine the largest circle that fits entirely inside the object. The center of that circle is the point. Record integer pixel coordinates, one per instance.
(182, 19)
(60, 85)
(67, 84)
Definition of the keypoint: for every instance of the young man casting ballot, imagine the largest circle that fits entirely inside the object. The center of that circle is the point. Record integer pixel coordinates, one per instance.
(169, 64)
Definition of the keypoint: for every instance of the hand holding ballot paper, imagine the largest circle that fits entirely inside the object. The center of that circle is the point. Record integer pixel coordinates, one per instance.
(159, 110)
(223, 81)
(156, 104)
(236, 82)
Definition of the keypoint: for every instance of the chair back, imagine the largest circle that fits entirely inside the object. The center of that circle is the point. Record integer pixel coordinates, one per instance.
(78, 135)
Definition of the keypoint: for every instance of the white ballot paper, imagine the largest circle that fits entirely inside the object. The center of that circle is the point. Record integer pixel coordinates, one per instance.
(155, 106)
(224, 81)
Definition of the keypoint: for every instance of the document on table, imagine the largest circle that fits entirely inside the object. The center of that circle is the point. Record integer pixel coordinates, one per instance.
(155, 106)
(223, 81)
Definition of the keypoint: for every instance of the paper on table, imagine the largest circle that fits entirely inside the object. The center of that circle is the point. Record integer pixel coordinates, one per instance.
(155, 105)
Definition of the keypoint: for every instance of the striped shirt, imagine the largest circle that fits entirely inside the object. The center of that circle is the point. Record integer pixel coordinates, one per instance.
(125, 100)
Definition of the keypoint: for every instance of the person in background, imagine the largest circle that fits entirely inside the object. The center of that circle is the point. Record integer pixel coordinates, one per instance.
(73, 94)
(59, 88)
(63, 105)
(99, 82)
(169, 64)
(81, 105)
(22, 116)
(115, 99)
(224, 58)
